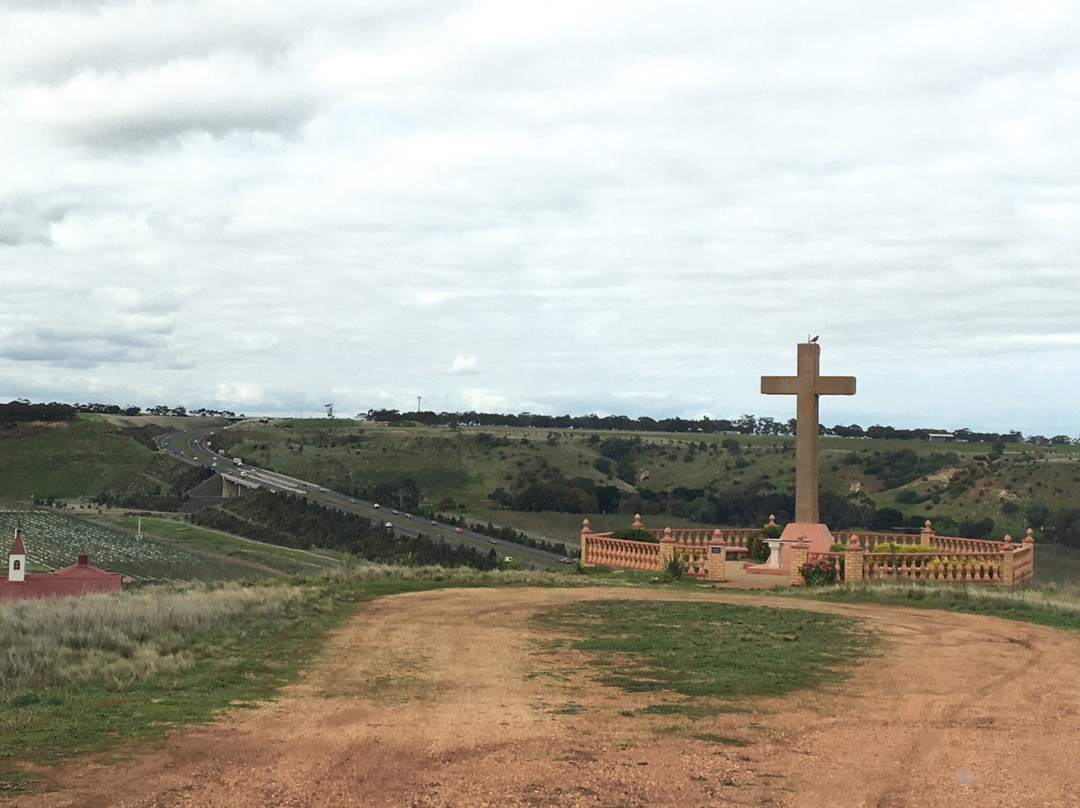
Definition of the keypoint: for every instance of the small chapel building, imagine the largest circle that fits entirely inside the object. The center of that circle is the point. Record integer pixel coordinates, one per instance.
(81, 578)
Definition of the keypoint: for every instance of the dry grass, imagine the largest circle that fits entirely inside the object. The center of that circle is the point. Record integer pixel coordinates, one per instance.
(116, 638)
(1056, 605)
(455, 576)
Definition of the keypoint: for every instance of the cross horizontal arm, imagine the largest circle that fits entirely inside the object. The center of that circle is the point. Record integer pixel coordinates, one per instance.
(780, 385)
(835, 386)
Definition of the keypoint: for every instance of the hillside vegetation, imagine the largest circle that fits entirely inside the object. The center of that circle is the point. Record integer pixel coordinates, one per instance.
(545, 481)
(87, 456)
(517, 475)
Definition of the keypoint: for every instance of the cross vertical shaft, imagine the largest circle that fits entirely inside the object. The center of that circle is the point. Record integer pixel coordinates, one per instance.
(806, 387)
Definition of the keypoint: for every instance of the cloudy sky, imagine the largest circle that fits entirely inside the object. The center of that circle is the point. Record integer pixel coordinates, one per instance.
(558, 207)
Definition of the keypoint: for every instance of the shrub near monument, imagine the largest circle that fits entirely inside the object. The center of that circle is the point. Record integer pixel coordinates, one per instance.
(635, 534)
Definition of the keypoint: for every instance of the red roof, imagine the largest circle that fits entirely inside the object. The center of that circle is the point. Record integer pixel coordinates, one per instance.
(84, 571)
(17, 548)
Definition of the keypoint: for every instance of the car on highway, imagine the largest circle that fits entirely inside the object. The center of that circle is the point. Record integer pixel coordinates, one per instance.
(394, 512)
(457, 529)
(434, 522)
(389, 524)
(375, 506)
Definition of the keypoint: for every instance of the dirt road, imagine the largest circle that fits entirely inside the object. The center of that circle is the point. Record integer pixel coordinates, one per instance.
(448, 699)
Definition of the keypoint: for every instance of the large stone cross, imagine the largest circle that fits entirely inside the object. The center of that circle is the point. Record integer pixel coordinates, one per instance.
(806, 387)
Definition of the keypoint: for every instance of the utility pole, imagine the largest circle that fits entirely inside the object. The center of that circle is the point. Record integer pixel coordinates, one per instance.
(418, 403)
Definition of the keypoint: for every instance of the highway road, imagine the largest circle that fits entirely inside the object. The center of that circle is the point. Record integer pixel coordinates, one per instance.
(195, 446)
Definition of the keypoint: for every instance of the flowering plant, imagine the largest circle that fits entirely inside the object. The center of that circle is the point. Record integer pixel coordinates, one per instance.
(818, 572)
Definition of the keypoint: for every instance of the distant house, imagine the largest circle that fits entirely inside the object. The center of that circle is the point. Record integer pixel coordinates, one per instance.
(940, 437)
(81, 578)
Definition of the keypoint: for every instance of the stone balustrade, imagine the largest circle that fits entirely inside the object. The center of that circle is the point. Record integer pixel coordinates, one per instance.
(1023, 559)
(986, 568)
(734, 538)
(695, 557)
(953, 560)
(868, 540)
(606, 551)
(697, 547)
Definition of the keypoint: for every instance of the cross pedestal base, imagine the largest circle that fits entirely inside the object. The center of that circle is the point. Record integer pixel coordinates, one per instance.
(817, 536)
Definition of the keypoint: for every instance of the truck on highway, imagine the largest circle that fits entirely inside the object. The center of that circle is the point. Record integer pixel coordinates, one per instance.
(237, 461)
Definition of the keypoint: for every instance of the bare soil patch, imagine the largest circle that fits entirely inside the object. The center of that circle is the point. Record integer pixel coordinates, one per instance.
(451, 698)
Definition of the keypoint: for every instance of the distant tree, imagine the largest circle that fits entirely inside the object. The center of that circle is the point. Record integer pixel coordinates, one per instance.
(886, 519)
(746, 424)
(1036, 515)
(852, 431)
(976, 529)
(500, 496)
(608, 498)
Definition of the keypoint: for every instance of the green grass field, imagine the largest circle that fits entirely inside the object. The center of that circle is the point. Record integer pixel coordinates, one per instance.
(707, 650)
(260, 558)
(77, 459)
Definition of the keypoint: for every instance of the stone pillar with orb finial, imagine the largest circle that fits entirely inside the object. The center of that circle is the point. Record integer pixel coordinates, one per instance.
(667, 548)
(717, 563)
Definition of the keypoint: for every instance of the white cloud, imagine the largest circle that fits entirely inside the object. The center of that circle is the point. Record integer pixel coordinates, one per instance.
(464, 365)
(217, 95)
(484, 401)
(625, 208)
(239, 393)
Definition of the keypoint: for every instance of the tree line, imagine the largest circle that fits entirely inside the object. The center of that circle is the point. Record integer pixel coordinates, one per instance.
(22, 410)
(745, 424)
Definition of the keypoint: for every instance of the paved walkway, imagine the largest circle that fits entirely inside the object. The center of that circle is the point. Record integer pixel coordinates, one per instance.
(738, 578)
